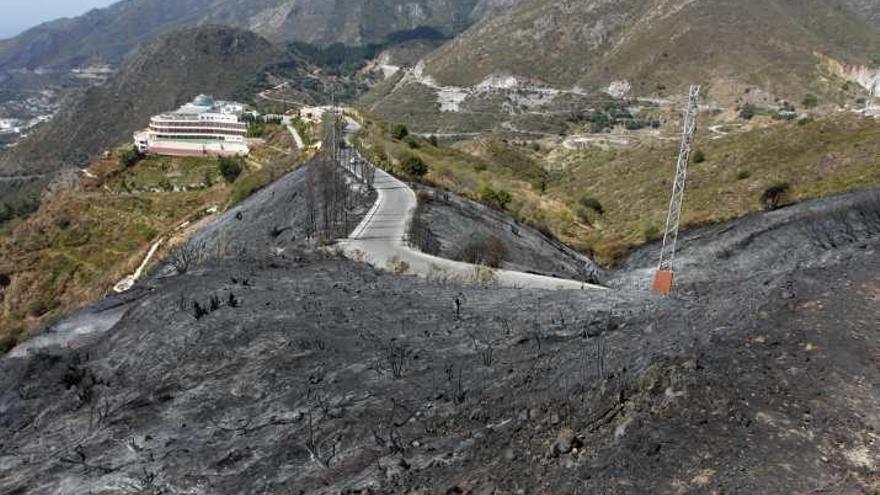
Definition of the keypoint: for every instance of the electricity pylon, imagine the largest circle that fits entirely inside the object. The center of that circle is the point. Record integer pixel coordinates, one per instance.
(665, 276)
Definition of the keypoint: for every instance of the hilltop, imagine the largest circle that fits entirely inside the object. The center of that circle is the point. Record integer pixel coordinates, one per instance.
(110, 35)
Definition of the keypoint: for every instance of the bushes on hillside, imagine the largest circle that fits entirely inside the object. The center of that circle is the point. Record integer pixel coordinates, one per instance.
(399, 131)
(747, 112)
(811, 101)
(773, 195)
(699, 156)
(130, 157)
(230, 168)
(496, 198)
(593, 204)
(415, 167)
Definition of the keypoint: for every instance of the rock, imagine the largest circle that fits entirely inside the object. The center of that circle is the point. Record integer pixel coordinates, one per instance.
(554, 419)
(534, 414)
(509, 454)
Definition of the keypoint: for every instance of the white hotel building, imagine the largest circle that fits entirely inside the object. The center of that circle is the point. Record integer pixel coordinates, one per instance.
(202, 128)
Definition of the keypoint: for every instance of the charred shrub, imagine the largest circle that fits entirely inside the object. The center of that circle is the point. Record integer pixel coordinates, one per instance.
(489, 251)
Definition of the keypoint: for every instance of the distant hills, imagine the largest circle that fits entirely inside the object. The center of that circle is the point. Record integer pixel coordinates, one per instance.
(110, 35)
(657, 44)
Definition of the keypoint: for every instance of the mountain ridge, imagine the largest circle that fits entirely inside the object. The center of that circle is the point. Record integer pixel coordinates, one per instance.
(111, 34)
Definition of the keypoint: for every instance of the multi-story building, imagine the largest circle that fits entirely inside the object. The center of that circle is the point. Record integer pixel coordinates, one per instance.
(202, 128)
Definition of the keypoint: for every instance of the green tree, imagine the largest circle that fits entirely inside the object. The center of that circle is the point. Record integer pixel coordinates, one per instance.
(230, 168)
(415, 167)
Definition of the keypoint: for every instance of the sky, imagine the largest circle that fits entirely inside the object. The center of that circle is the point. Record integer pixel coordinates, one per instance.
(19, 15)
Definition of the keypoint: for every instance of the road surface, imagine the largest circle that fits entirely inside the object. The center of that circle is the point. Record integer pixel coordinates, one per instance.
(380, 240)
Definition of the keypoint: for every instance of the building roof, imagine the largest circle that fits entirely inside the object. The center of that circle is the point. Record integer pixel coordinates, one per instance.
(203, 101)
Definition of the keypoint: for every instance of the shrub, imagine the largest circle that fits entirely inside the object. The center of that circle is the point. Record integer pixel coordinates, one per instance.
(811, 101)
(772, 196)
(130, 157)
(415, 167)
(743, 175)
(496, 198)
(433, 141)
(399, 131)
(230, 168)
(699, 156)
(747, 112)
(593, 204)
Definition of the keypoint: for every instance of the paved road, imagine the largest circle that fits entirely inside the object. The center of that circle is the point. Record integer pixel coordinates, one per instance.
(380, 240)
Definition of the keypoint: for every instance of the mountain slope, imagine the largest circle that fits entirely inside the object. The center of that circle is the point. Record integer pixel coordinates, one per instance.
(109, 34)
(659, 43)
(215, 60)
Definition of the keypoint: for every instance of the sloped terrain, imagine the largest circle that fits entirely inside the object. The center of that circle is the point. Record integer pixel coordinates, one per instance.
(216, 60)
(456, 228)
(284, 369)
(111, 34)
(657, 44)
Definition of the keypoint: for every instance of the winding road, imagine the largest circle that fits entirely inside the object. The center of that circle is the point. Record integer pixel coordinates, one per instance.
(381, 240)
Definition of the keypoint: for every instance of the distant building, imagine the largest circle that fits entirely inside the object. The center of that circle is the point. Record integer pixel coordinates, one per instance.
(202, 128)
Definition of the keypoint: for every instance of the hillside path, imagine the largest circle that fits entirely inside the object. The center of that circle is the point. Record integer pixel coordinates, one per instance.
(381, 240)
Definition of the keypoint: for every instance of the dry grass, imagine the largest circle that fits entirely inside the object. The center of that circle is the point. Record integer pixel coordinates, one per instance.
(817, 158)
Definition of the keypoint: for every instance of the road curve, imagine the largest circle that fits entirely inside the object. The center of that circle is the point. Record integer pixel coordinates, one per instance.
(380, 240)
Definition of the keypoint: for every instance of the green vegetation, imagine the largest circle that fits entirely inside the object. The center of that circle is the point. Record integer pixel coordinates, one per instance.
(399, 131)
(83, 240)
(230, 168)
(699, 156)
(606, 201)
(415, 167)
(496, 198)
(129, 157)
(593, 204)
(811, 101)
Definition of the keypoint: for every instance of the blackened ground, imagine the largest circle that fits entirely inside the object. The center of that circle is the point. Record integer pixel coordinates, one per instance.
(453, 227)
(313, 374)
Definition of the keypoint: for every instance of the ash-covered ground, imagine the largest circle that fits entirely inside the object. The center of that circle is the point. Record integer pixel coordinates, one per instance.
(282, 369)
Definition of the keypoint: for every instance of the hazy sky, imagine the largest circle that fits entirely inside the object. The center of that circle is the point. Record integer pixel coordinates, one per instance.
(18, 15)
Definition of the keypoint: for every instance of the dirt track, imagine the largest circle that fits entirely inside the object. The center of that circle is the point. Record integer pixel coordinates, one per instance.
(321, 375)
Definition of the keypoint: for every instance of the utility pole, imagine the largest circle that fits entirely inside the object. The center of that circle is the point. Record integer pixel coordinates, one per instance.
(665, 277)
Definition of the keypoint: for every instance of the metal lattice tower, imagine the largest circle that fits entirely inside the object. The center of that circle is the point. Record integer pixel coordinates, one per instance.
(663, 282)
